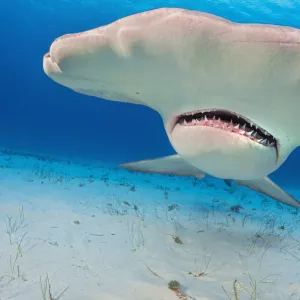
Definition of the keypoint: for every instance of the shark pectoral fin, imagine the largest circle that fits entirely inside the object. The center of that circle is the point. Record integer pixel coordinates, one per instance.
(267, 187)
(171, 165)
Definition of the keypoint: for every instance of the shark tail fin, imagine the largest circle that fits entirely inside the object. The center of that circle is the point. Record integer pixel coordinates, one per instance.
(171, 165)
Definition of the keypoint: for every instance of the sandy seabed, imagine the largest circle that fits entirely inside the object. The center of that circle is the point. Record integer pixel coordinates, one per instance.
(80, 232)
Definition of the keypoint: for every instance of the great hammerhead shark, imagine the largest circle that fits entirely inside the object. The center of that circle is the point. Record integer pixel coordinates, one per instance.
(228, 93)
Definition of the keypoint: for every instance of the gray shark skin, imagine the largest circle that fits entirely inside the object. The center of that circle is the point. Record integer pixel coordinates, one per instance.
(228, 93)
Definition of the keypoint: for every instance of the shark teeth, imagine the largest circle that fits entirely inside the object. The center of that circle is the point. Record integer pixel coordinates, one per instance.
(228, 121)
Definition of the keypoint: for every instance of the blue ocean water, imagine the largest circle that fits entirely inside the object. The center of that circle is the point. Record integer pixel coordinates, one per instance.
(104, 232)
(40, 116)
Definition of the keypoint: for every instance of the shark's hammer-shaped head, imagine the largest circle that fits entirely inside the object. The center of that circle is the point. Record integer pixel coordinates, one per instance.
(228, 93)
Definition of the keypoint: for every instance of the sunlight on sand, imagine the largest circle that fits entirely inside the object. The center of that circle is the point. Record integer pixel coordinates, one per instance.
(77, 232)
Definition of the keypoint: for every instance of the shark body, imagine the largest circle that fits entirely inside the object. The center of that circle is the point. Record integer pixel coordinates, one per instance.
(228, 93)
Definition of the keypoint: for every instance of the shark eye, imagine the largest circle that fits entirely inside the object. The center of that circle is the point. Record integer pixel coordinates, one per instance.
(228, 121)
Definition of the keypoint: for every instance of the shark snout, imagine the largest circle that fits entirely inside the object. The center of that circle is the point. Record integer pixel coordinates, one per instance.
(50, 67)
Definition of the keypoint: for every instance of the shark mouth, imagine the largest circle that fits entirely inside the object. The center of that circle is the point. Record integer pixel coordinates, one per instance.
(228, 121)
